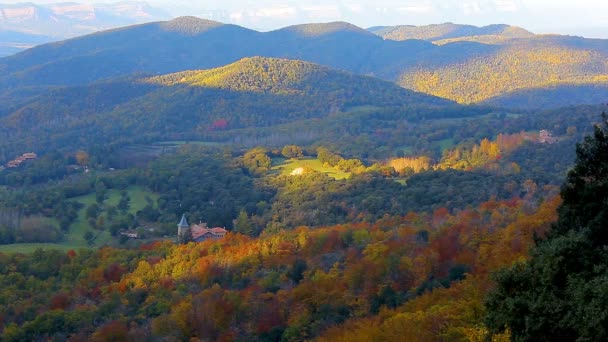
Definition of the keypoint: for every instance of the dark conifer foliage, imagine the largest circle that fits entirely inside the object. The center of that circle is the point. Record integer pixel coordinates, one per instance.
(561, 292)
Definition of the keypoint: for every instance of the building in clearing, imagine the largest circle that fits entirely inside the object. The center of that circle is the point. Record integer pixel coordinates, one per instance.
(545, 137)
(198, 232)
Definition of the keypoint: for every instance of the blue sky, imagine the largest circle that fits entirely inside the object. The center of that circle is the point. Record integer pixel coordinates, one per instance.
(577, 17)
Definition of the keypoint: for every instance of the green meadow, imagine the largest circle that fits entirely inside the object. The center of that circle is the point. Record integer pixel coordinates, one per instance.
(74, 238)
(287, 166)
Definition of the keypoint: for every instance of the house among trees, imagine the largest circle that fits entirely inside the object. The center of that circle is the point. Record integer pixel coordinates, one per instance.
(17, 161)
(130, 234)
(545, 137)
(197, 232)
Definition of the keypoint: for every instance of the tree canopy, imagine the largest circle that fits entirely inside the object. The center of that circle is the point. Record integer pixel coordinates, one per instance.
(561, 293)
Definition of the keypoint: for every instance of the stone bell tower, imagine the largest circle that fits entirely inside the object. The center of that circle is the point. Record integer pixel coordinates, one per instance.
(182, 229)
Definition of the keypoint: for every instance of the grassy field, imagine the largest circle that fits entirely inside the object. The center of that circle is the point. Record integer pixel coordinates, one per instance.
(81, 226)
(287, 166)
(74, 239)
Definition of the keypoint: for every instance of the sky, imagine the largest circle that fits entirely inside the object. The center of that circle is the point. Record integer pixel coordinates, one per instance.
(587, 18)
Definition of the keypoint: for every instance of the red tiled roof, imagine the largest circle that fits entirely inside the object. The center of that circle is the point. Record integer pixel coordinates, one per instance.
(200, 230)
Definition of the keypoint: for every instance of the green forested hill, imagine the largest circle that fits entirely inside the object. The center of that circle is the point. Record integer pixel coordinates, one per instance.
(199, 105)
(294, 77)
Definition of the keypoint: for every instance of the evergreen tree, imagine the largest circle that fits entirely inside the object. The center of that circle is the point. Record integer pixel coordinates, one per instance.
(243, 225)
(561, 293)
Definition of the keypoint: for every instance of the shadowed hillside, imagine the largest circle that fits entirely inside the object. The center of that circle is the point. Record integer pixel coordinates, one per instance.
(254, 92)
(552, 96)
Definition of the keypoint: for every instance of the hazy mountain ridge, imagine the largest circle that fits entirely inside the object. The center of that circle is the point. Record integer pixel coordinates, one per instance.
(59, 21)
(321, 29)
(439, 32)
(70, 18)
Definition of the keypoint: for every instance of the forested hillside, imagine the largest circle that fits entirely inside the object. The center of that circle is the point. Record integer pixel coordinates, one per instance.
(290, 286)
(553, 96)
(201, 105)
(497, 60)
(335, 258)
(532, 64)
(341, 206)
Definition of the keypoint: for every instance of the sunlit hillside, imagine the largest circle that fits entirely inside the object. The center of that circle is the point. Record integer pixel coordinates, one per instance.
(268, 75)
(513, 68)
(447, 31)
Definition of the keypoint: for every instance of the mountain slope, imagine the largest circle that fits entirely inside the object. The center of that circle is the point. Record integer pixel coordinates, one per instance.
(189, 43)
(151, 48)
(464, 71)
(198, 105)
(64, 20)
(291, 77)
(448, 31)
(552, 96)
(531, 64)
(74, 17)
(323, 29)
(13, 41)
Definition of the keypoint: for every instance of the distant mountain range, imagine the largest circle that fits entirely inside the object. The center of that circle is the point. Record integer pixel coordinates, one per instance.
(463, 63)
(25, 25)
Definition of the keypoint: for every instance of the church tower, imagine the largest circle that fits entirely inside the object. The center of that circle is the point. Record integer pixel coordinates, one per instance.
(182, 229)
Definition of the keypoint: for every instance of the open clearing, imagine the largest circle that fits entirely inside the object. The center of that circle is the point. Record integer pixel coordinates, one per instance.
(311, 164)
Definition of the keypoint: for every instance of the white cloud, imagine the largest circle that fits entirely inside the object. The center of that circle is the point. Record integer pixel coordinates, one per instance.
(236, 17)
(281, 13)
(322, 11)
(506, 5)
(471, 7)
(416, 8)
(355, 8)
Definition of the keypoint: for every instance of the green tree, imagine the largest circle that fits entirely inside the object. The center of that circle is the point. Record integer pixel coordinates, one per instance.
(123, 205)
(92, 211)
(243, 224)
(89, 237)
(561, 293)
(100, 192)
(325, 156)
(101, 223)
(257, 161)
(292, 151)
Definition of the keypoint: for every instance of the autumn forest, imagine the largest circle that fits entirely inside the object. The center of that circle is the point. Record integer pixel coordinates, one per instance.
(399, 183)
